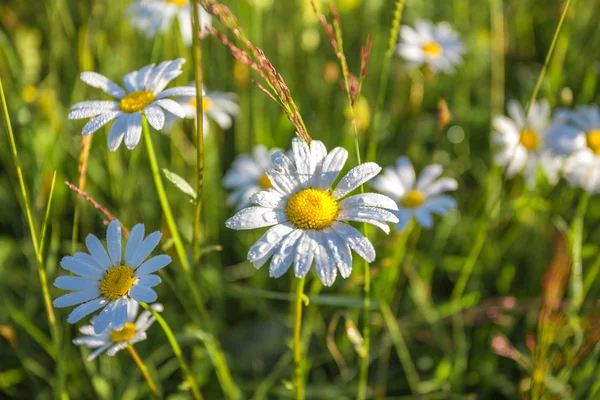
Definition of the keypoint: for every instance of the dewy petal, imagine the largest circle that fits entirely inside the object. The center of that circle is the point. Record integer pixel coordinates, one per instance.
(135, 238)
(265, 246)
(98, 351)
(282, 182)
(75, 283)
(318, 152)
(370, 215)
(255, 217)
(86, 309)
(340, 252)
(80, 268)
(429, 174)
(163, 74)
(440, 186)
(267, 198)
(113, 242)
(70, 299)
(302, 159)
(331, 167)
(282, 260)
(144, 249)
(97, 251)
(120, 314)
(355, 177)
(134, 130)
(406, 172)
(153, 265)
(99, 81)
(104, 319)
(179, 91)
(116, 132)
(305, 254)
(143, 294)
(171, 106)
(92, 108)
(326, 267)
(356, 240)
(155, 116)
(99, 121)
(368, 199)
(88, 259)
(149, 281)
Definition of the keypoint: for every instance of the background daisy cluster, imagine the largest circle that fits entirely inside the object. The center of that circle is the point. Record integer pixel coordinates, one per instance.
(488, 287)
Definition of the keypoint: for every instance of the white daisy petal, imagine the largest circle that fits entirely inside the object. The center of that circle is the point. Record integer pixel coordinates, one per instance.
(104, 318)
(305, 253)
(424, 218)
(155, 116)
(150, 280)
(368, 199)
(152, 265)
(113, 242)
(302, 159)
(135, 238)
(86, 309)
(404, 217)
(98, 351)
(370, 215)
(144, 249)
(75, 283)
(440, 186)
(134, 130)
(99, 121)
(406, 172)
(255, 217)
(179, 91)
(265, 246)
(428, 175)
(440, 205)
(355, 177)
(80, 268)
(171, 106)
(117, 132)
(97, 251)
(356, 240)
(143, 294)
(120, 314)
(331, 167)
(267, 198)
(92, 108)
(282, 260)
(70, 299)
(340, 252)
(325, 265)
(99, 81)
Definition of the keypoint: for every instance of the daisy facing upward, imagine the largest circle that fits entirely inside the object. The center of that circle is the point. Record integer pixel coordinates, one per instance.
(523, 147)
(436, 46)
(308, 219)
(145, 95)
(418, 198)
(107, 281)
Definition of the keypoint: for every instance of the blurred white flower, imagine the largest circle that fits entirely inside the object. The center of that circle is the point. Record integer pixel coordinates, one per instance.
(156, 16)
(437, 46)
(145, 96)
(419, 199)
(221, 107)
(114, 340)
(248, 175)
(576, 135)
(106, 281)
(309, 218)
(525, 147)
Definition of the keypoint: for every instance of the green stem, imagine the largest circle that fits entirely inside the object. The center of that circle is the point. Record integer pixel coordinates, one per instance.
(577, 288)
(144, 370)
(177, 350)
(383, 78)
(212, 345)
(197, 58)
(298, 373)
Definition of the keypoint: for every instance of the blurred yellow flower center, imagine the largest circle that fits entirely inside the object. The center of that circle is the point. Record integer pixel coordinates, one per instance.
(312, 209)
(264, 182)
(136, 101)
(125, 334)
(593, 140)
(413, 199)
(178, 2)
(206, 103)
(432, 49)
(117, 282)
(529, 139)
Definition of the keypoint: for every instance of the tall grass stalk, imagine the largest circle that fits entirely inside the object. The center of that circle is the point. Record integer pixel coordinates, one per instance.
(197, 58)
(298, 365)
(383, 79)
(177, 351)
(212, 345)
(144, 371)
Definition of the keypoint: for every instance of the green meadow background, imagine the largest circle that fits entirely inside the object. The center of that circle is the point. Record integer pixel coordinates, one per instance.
(439, 296)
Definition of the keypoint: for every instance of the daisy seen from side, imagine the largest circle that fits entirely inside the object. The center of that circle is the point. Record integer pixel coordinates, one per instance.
(145, 96)
(106, 281)
(308, 219)
(418, 198)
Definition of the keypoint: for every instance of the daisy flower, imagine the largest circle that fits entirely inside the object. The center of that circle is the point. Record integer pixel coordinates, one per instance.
(153, 16)
(114, 340)
(144, 96)
(248, 175)
(107, 281)
(576, 134)
(438, 46)
(307, 218)
(523, 147)
(416, 197)
(221, 107)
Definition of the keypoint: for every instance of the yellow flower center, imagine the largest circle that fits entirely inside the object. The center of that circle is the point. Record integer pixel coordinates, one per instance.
(529, 139)
(593, 140)
(136, 101)
(117, 282)
(433, 49)
(206, 103)
(177, 2)
(125, 334)
(413, 199)
(312, 209)
(264, 182)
